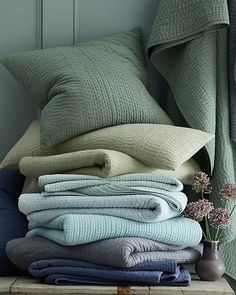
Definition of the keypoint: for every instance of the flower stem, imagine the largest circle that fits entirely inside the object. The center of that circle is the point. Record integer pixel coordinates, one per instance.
(217, 234)
(205, 237)
(208, 233)
(232, 210)
(207, 229)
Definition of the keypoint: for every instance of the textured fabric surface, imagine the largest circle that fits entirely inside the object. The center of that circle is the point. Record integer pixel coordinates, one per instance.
(231, 66)
(13, 224)
(138, 196)
(75, 229)
(88, 86)
(161, 146)
(103, 163)
(145, 182)
(119, 252)
(62, 271)
(192, 36)
(141, 207)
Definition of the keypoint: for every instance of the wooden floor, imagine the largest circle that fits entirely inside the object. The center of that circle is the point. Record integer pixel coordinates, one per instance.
(30, 286)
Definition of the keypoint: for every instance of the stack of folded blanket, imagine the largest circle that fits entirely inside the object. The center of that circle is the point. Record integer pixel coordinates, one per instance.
(129, 225)
(105, 208)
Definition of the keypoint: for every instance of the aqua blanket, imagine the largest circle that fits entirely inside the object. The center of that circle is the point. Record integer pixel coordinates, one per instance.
(188, 46)
(75, 229)
(141, 181)
(140, 207)
(142, 197)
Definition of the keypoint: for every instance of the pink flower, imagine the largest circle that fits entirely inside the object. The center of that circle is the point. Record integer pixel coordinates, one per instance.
(198, 210)
(219, 218)
(201, 183)
(228, 192)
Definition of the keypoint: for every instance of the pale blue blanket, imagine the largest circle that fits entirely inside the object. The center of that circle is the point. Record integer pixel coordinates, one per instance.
(142, 197)
(143, 207)
(75, 229)
(141, 181)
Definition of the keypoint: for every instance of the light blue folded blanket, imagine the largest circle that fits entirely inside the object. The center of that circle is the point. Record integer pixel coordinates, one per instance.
(142, 181)
(167, 188)
(145, 208)
(75, 229)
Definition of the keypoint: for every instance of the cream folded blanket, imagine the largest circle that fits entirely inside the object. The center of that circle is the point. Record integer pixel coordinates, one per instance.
(103, 163)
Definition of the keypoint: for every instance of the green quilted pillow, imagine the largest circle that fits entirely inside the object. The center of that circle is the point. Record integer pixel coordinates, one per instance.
(88, 86)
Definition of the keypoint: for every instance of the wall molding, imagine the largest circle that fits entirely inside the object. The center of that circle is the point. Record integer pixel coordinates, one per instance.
(76, 35)
(39, 24)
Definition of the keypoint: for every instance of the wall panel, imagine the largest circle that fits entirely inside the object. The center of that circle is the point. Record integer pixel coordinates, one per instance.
(98, 18)
(58, 22)
(17, 33)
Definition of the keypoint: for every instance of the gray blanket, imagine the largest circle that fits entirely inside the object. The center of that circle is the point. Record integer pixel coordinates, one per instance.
(120, 252)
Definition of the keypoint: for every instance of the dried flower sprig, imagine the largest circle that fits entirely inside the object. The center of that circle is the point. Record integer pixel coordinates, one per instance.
(198, 210)
(201, 183)
(217, 218)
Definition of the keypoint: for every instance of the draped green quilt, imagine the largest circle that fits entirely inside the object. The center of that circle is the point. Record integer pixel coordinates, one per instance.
(188, 46)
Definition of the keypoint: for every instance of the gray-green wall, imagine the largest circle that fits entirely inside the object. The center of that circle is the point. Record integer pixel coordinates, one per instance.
(32, 24)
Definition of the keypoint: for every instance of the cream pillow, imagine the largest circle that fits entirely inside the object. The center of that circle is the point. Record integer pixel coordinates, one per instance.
(162, 146)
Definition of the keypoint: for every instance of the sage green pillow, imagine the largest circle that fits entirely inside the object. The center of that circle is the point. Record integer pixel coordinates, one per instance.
(88, 86)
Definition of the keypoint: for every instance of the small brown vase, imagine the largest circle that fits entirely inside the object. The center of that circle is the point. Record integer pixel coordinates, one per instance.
(210, 267)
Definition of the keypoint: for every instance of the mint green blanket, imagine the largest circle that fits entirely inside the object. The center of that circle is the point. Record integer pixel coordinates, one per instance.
(75, 229)
(140, 207)
(188, 46)
(143, 197)
(142, 181)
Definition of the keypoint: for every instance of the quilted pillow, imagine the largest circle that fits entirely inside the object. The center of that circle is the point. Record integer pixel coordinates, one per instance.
(13, 223)
(88, 86)
(162, 146)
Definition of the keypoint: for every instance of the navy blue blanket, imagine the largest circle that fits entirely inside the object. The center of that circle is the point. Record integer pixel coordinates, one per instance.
(67, 272)
(13, 224)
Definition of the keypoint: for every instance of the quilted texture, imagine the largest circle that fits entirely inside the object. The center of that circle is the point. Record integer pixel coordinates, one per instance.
(88, 86)
(141, 197)
(64, 271)
(13, 224)
(76, 229)
(163, 146)
(192, 36)
(103, 163)
(88, 184)
(231, 66)
(120, 252)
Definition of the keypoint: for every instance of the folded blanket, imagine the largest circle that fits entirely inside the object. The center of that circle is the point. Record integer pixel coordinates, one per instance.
(63, 271)
(141, 197)
(103, 163)
(120, 252)
(144, 182)
(140, 206)
(75, 229)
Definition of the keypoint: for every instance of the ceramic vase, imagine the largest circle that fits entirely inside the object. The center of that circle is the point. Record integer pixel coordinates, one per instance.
(210, 267)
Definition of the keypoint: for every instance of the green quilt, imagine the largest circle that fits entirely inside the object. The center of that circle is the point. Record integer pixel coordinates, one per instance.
(188, 46)
(76, 229)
